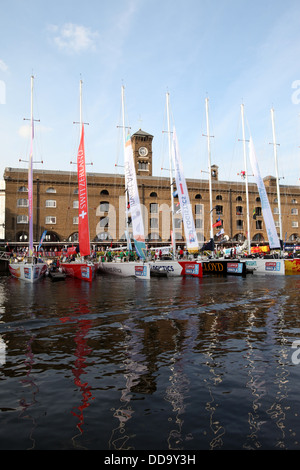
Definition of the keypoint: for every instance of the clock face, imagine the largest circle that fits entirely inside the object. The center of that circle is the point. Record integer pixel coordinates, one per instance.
(143, 151)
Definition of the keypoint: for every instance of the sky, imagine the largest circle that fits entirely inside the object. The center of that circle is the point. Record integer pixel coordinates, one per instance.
(229, 51)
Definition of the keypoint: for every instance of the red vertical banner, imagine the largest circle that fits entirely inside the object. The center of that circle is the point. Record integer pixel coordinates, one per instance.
(83, 219)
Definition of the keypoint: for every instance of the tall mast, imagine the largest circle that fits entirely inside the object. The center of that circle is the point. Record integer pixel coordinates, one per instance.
(171, 176)
(80, 105)
(246, 176)
(30, 174)
(123, 114)
(124, 142)
(276, 171)
(209, 171)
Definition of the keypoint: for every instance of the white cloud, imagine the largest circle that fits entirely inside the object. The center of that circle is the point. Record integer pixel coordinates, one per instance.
(3, 66)
(74, 38)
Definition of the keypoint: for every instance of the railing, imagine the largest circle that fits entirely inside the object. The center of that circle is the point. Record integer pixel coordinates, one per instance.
(4, 255)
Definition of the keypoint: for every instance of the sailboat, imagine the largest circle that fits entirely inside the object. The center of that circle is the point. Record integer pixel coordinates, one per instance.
(273, 266)
(81, 268)
(217, 266)
(180, 267)
(139, 269)
(30, 268)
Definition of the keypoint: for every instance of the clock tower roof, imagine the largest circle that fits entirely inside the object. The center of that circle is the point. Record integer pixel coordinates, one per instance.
(141, 133)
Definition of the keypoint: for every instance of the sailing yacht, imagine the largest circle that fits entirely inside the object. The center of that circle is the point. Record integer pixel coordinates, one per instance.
(30, 268)
(81, 268)
(139, 269)
(275, 266)
(180, 267)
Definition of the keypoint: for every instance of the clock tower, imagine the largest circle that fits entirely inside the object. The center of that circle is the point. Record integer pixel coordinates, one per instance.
(142, 152)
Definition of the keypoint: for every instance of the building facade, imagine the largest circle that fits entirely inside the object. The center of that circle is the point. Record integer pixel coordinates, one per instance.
(55, 201)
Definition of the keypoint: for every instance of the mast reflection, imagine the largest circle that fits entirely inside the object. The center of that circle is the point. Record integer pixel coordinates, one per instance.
(82, 352)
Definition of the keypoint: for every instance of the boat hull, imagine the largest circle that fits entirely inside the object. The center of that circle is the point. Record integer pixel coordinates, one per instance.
(29, 272)
(122, 269)
(175, 268)
(266, 266)
(292, 266)
(224, 267)
(82, 271)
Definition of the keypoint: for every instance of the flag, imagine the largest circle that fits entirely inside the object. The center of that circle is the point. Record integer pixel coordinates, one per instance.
(265, 205)
(254, 214)
(134, 200)
(218, 223)
(184, 200)
(42, 239)
(83, 219)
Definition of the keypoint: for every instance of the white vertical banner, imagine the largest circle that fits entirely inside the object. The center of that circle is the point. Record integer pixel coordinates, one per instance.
(185, 205)
(265, 205)
(134, 201)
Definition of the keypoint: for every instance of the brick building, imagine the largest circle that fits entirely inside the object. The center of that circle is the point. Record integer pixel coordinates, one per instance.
(55, 200)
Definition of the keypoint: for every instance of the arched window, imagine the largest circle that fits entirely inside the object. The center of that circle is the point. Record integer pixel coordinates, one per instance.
(104, 192)
(51, 190)
(198, 196)
(153, 194)
(219, 197)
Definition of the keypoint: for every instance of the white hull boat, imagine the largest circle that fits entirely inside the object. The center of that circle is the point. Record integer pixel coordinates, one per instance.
(125, 269)
(28, 271)
(266, 266)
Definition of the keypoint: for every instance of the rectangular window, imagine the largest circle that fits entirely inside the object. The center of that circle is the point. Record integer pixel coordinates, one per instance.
(219, 210)
(153, 208)
(22, 203)
(198, 209)
(143, 166)
(75, 204)
(22, 219)
(50, 203)
(199, 223)
(75, 220)
(153, 223)
(50, 220)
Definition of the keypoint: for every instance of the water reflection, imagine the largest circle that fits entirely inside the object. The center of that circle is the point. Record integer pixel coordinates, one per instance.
(82, 327)
(184, 338)
(213, 380)
(177, 365)
(134, 366)
(30, 386)
(256, 384)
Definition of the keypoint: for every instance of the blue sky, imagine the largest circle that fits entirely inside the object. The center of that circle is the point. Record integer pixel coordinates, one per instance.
(231, 51)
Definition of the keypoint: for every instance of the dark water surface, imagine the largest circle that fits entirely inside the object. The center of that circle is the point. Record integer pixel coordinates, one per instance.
(164, 364)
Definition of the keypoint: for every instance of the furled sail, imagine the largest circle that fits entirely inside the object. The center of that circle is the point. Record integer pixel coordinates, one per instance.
(265, 205)
(83, 219)
(134, 201)
(185, 205)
